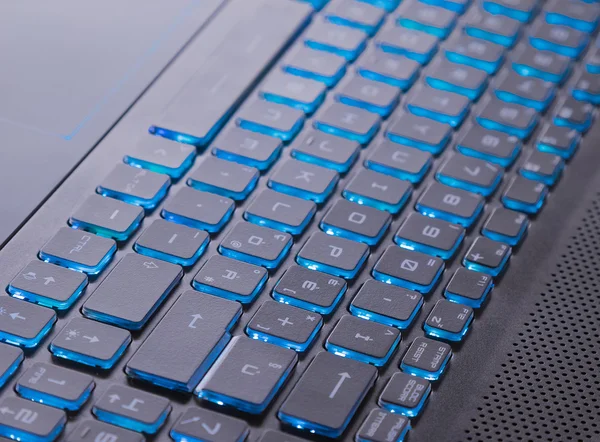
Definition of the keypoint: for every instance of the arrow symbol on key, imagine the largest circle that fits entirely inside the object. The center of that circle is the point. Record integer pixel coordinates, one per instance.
(190, 421)
(16, 316)
(214, 430)
(92, 339)
(6, 410)
(49, 280)
(114, 398)
(194, 319)
(343, 377)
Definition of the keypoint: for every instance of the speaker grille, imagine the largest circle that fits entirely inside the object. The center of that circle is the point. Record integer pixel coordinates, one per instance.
(548, 388)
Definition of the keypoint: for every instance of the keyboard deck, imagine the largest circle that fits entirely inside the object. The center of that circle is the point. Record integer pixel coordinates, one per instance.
(298, 249)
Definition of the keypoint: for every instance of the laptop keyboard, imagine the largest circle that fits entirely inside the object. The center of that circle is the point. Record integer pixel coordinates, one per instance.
(406, 143)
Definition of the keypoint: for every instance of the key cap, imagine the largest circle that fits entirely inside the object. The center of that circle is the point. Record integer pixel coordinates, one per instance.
(457, 78)
(90, 343)
(459, 6)
(545, 65)
(356, 222)
(442, 106)
(430, 19)
(574, 114)
(78, 251)
(93, 431)
(339, 40)
(587, 88)
(175, 243)
(387, 304)
(225, 178)
(304, 180)
(280, 211)
(382, 426)
(522, 10)
(162, 155)
(560, 39)
(107, 217)
(448, 321)
(333, 255)
(24, 420)
(426, 358)
(476, 53)
(429, 235)
(135, 186)
(469, 288)
(497, 29)
(577, 15)
(278, 436)
(231, 279)
(405, 394)
(248, 375)
(377, 190)
(395, 70)
(411, 270)
(133, 291)
(593, 60)
(365, 341)
(399, 161)
(272, 119)
(421, 133)
(355, 14)
(315, 65)
(416, 45)
(558, 140)
(388, 5)
(132, 409)
(506, 225)
(472, 174)
(48, 285)
(248, 148)
(447, 203)
(310, 290)
(199, 424)
(544, 167)
(256, 245)
(10, 361)
(487, 256)
(376, 97)
(199, 210)
(530, 92)
(290, 90)
(513, 119)
(327, 395)
(186, 342)
(525, 195)
(495, 147)
(326, 150)
(55, 386)
(348, 122)
(24, 324)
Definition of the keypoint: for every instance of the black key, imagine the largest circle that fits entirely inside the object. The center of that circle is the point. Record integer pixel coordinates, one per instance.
(546, 65)
(399, 161)
(55, 386)
(10, 360)
(528, 91)
(96, 431)
(135, 186)
(542, 166)
(172, 242)
(225, 178)
(348, 122)
(559, 39)
(339, 40)
(278, 436)
(574, 114)
(431, 19)
(328, 394)
(132, 292)
(132, 408)
(249, 148)
(426, 358)
(558, 140)
(48, 285)
(200, 210)
(284, 325)
(487, 256)
(90, 343)
(247, 375)
(256, 244)
(365, 341)
(519, 9)
(300, 93)
(333, 255)
(476, 53)
(405, 394)
(418, 46)
(514, 119)
(496, 147)
(386, 304)
(377, 97)
(231, 279)
(78, 251)
(162, 155)
(525, 195)
(429, 235)
(506, 225)
(383, 426)
(205, 425)
(186, 341)
(355, 14)
(408, 269)
(304, 180)
(356, 222)
(419, 132)
(450, 204)
(326, 150)
(439, 105)
(272, 119)
(578, 15)
(316, 65)
(472, 174)
(448, 320)
(22, 323)
(457, 78)
(469, 288)
(587, 88)
(107, 217)
(497, 28)
(310, 290)
(394, 70)
(24, 420)
(378, 190)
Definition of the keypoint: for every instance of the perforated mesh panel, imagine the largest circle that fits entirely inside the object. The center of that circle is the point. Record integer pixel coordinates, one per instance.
(548, 388)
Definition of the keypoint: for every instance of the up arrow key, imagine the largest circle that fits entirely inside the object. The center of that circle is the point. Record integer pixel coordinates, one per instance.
(343, 377)
(49, 280)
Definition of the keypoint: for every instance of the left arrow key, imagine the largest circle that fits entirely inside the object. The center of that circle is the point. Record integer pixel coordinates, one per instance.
(22, 323)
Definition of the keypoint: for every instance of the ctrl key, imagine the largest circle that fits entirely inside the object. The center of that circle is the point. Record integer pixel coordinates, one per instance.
(24, 420)
(383, 426)
(426, 358)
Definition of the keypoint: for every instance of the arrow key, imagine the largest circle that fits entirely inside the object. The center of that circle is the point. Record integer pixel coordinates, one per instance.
(22, 323)
(24, 420)
(198, 424)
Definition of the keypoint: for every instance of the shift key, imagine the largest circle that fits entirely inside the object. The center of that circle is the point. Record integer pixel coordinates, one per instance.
(133, 291)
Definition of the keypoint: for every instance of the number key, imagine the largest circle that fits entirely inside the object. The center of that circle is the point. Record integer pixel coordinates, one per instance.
(448, 320)
(453, 205)
(487, 256)
(469, 288)
(429, 235)
(506, 225)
